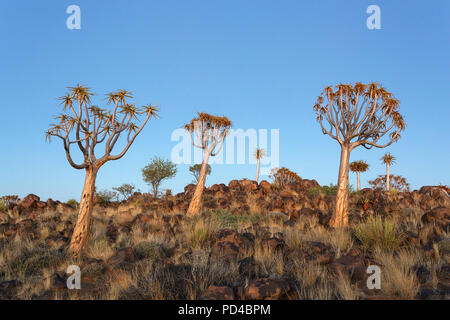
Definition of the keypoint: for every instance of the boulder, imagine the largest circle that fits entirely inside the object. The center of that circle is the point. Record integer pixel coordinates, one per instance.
(30, 202)
(218, 293)
(123, 255)
(438, 215)
(234, 184)
(267, 289)
(247, 266)
(249, 185)
(436, 191)
(229, 244)
(265, 185)
(352, 266)
(190, 188)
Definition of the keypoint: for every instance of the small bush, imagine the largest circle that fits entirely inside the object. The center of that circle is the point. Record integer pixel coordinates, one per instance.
(376, 233)
(148, 250)
(73, 203)
(283, 176)
(105, 197)
(9, 200)
(3, 207)
(330, 190)
(33, 261)
(228, 220)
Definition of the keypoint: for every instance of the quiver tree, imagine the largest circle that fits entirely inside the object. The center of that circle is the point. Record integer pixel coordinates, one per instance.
(258, 154)
(398, 183)
(388, 160)
(89, 127)
(208, 133)
(283, 176)
(358, 166)
(356, 115)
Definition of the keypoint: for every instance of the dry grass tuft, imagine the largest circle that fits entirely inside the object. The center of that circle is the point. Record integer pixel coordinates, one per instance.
(378, 234)
(397, 276)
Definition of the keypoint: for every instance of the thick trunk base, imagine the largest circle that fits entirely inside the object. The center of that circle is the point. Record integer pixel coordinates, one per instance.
(81, 232)
(340, 216)
(195, 205)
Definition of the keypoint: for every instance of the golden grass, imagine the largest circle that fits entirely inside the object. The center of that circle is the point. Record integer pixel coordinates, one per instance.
(178, 265)
(346, 290)
(397, 276)
(269, 262)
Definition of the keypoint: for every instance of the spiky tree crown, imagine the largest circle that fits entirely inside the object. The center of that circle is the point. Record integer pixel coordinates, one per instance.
(88, 125)
(283, 176)
(259, 153)
(359, 114)
(388, 159)
(209, 130)
(359, 166)
(398, 183)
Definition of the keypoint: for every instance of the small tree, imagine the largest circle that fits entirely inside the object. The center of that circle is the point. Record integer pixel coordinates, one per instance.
(207, 133)
(389, 160)
(258, 154)
(87, 127)
(398, 183)
(358, 166)
(105, 197)
(125, 190)
(196, 168)
(356, 115)
(10, 200)
(283, 176)
(157, 171)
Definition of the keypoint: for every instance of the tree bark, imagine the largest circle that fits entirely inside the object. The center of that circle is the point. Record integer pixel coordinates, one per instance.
(340, 216)
(194, 206)
(155, 190)
(358, 187)
(81, 232)
(387, 177)
(257, 170)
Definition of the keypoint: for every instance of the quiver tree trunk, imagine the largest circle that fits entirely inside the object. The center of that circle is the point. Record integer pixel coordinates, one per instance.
(387, 177)
(340, 216)
(81, 232)
(195, 205)
(358, 184)
(257, 170)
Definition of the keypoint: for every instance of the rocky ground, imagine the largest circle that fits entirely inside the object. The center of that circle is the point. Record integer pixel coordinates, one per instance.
(252, 241)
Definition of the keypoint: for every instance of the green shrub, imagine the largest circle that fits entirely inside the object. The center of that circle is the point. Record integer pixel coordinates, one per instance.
(105, 197)
(3, 207)
(376, 233)
(330, 190)
(33, 261)
(229, 220)
(73, 203)
(148, 250)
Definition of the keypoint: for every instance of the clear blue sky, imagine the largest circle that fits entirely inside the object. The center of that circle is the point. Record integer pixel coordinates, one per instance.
(261, 63)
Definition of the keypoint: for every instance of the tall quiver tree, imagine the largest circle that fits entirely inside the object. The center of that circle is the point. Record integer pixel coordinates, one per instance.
(208, 133)
(389, 160)
(88, 127)
(356, 115)
(258, 154)
(358, 166)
